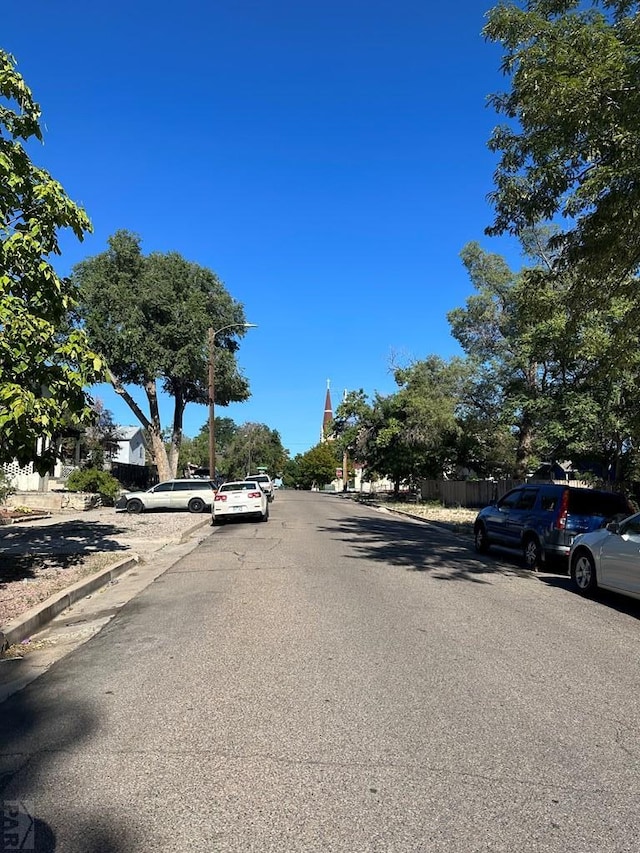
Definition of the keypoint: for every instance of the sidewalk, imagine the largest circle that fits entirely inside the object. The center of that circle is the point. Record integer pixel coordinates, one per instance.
(72, 553)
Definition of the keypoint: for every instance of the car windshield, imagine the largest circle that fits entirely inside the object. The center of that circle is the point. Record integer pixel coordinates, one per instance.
(245, 486)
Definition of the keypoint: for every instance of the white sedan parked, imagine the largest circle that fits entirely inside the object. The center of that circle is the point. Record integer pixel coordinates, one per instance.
(608, 558)
(239, 499)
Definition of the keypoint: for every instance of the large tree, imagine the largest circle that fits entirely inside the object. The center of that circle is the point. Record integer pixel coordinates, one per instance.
(313, 469)
(570, 147)
(409, 434)
(43, 370)
(195, 451)
(149, 316)
(513, 329)
(562, 381)
(253, 445)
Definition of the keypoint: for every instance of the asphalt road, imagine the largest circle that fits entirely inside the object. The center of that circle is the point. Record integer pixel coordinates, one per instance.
(338, 679)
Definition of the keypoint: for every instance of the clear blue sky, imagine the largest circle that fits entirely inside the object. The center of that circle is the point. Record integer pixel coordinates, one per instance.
(327, 159)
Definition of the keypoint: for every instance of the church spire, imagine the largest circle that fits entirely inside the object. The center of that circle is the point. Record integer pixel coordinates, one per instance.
(328, 415)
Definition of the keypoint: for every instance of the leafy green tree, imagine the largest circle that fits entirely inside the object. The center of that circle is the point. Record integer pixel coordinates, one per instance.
(486, 444)
(513, 329)
(149, 316)
(315, 468)
(43, 370)
(196, 450)
(409, 434)
(561, 380)
(253, 445)
(570, 145)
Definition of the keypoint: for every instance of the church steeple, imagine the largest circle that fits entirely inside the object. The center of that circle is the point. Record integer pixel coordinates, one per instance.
(328, 415)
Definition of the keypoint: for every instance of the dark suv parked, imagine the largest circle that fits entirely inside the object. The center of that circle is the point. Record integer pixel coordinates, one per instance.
(542, 520)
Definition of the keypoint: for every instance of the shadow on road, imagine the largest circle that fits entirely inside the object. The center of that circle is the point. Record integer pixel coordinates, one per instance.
(420, 547)
(34, 732)
(621, 603)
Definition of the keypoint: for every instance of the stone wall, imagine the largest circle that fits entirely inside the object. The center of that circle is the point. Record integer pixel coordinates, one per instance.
(54, 501)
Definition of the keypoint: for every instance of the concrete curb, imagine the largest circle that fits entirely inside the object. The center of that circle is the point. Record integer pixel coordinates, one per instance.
(39, 615)
(22, 518)
(36, 617)
(191, 530)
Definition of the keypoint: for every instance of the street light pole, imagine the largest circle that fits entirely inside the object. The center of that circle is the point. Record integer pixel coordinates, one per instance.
(212, 380)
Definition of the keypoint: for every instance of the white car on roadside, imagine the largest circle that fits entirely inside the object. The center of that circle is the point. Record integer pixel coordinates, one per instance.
(265, 483)
(194, 495)
(239, 499)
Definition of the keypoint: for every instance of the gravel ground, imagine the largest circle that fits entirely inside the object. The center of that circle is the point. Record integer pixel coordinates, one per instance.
(40, 558)
(458, 518)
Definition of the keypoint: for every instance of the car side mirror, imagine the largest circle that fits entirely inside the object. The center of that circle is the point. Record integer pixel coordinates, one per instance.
(613, 527)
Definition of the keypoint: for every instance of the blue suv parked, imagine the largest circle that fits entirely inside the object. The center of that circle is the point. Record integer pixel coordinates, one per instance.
(542, 520)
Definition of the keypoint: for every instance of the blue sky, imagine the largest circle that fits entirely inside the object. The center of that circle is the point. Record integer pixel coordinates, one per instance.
(327, 160)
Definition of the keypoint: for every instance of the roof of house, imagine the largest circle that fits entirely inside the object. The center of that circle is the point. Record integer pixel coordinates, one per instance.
(126, 433)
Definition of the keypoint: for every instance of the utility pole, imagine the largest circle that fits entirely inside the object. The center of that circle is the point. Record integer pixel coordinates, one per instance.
(212, 390)
(212, 427)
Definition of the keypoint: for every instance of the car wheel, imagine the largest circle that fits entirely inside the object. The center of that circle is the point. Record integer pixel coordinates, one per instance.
(135, 505)
(196, 505)
(265, 517)
(583, 573)
(532, 553)
(480, 539)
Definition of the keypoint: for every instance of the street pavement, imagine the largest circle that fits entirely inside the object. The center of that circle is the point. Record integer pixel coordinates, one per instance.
(338, 679)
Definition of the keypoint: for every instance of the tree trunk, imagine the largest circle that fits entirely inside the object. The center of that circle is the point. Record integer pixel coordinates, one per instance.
(159, 453)
(523, 452)
(176, 434)
(155, 433)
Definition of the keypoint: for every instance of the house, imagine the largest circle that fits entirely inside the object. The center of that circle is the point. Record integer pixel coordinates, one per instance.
(131, 446)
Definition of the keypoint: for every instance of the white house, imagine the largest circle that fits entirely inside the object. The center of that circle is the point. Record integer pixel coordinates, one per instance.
(131, 447)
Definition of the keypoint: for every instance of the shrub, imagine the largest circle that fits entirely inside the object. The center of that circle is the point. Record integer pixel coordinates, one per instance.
(6, 488)
(94, 480)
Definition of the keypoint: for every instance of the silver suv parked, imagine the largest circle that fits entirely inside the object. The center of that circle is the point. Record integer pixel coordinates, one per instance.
(194, 495)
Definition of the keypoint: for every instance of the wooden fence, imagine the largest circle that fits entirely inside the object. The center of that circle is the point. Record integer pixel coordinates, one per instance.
(479, 493)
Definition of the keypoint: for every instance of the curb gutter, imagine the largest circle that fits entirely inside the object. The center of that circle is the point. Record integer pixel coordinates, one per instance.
(33, 619)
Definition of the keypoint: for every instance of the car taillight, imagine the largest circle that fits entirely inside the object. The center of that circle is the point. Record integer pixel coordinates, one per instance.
(561, 520)
(254, 494)
(220, 498)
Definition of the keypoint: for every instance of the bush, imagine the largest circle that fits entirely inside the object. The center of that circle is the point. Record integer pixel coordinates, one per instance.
(6, 488)
(96, 481)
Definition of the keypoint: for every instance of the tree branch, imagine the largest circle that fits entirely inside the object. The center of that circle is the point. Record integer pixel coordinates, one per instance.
(119, 388)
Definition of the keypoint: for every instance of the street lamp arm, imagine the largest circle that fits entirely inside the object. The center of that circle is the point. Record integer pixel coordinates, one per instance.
(233, 326)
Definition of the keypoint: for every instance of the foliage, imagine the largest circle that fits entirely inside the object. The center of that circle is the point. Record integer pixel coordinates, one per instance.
(313, 469)
(6, 488)
(411, 433)
(195, 451)
(250, 446)
(94, 480)
(149, 316)
(43, 370)
(570, 145)
(99, 440)
(514, 330)
(560, 381)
